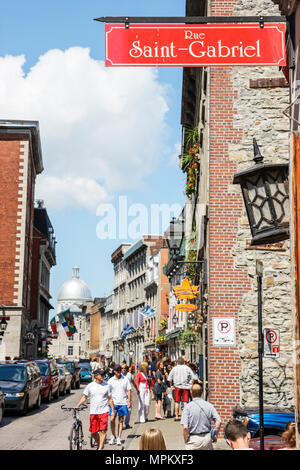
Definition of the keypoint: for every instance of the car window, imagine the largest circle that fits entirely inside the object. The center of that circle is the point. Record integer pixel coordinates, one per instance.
(12, 373)
(43, 366)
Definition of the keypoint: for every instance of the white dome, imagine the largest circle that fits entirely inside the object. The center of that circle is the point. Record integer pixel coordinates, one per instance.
(74, 290)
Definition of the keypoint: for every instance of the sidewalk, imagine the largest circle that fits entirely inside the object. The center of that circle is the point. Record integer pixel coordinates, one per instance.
(172, 430)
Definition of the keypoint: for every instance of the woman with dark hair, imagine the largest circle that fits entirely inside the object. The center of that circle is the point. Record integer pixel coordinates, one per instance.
(159, 389)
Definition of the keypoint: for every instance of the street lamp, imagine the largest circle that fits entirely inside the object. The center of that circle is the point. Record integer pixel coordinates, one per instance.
(266, 196)
(3, 326)
(174, 320)
(174, 235)
(148, 329)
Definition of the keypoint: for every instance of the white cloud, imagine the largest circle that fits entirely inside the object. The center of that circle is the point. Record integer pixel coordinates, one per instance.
(174, 160)
(102, 128)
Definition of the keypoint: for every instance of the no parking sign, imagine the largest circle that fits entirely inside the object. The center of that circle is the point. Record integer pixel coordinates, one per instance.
(271, 342)
(224, 331)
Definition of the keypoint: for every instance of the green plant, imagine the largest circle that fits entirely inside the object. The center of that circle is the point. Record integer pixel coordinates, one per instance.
(188, 336)
(160, 339)
(164, 323)
(190, 161)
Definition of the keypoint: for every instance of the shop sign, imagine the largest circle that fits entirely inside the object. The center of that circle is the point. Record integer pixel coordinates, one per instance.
(195, 45)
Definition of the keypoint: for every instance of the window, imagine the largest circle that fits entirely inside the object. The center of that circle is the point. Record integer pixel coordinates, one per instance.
(71, 338)
(79, 336)
(70, 350)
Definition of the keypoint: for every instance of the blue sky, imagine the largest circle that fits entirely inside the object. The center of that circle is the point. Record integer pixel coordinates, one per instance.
(33, 28)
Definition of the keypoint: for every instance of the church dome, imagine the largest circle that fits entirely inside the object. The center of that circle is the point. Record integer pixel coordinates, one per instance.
(75, 290)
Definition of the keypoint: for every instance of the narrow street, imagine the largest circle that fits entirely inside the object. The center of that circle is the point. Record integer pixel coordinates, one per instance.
(48, 428)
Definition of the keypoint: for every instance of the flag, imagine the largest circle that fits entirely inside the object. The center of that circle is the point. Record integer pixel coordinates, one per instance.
(145, 311)
(67, 320)
(53, 326)
(125, 330)
(129, 330)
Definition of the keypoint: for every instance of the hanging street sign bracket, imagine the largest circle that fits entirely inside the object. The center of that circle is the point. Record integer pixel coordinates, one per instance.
(192, 19)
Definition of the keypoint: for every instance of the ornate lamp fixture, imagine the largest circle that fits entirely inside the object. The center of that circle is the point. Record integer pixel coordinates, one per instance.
(266, 196)
(174, 235)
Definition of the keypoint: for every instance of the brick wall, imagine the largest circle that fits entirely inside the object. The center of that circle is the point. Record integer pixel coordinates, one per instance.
(227, 284)
(10, 160)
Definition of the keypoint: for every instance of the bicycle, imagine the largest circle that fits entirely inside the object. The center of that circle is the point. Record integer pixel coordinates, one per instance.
(76, 441)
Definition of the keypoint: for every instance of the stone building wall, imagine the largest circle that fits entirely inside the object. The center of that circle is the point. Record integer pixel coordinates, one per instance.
(259, 114)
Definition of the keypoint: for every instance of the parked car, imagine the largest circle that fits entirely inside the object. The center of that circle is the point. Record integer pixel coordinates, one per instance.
(50, 377)
(74, 369)
(65, 380)
(275, 420)
(22, 385)
(2, 405)
(270, 443)
(85, 372)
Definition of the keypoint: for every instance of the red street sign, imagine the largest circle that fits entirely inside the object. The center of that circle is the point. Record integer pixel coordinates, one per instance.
(195, 45)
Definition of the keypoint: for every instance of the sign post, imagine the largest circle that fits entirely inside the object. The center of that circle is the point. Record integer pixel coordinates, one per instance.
(259, 273)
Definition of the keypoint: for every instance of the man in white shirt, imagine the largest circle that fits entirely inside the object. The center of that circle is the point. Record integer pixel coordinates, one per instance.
(180, 379)
(121, 395)
(100, 400)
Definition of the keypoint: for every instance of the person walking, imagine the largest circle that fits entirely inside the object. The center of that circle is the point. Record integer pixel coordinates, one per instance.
(94, 364)
(197, 418)
(159, 388)
(128, 375)
(237, 435)
(100, 397)
(144, 395)
(121, 395)
(180, 379)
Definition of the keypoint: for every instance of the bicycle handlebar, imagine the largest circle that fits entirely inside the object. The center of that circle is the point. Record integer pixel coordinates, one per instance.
(83, 407)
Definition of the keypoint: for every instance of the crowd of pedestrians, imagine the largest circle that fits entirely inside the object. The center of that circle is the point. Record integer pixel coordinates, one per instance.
(176, 389)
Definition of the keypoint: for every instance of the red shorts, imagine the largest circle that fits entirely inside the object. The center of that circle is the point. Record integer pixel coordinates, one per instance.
(98, 423)
(181, 394)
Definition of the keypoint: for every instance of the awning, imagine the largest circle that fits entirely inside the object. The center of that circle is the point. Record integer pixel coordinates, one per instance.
(173, 334)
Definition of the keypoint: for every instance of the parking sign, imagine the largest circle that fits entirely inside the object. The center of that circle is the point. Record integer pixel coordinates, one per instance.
(271, 342)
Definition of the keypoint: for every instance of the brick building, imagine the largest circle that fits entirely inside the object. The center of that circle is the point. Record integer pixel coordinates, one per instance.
(226, 107)
(21, 162)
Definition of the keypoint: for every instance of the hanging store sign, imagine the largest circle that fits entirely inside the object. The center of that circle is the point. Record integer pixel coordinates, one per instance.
(195, 45)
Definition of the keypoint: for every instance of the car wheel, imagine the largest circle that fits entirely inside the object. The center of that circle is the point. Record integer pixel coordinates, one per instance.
(57, 393)
(26, 407)
(69, 390)
(49, 397)
(64, 392)
(78, 385)
(39, 401)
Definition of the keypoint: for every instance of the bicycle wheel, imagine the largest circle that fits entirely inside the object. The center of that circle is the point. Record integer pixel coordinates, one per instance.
(72, 439)
(79, 437)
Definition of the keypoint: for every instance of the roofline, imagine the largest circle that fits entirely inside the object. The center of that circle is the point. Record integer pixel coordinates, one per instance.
(11, 126)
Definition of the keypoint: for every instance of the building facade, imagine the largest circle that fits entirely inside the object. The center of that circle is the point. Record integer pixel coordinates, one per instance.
(21, 162)
(218, 129)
